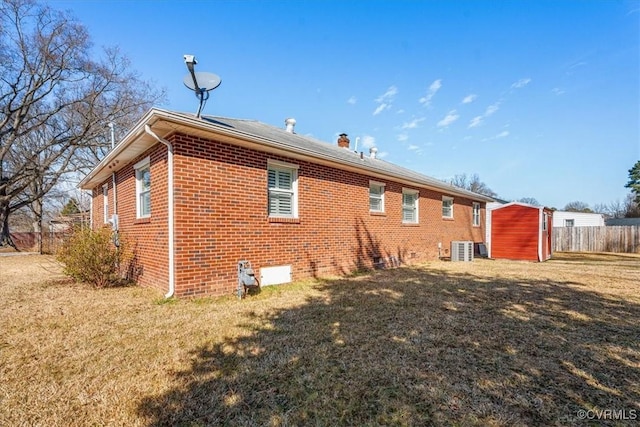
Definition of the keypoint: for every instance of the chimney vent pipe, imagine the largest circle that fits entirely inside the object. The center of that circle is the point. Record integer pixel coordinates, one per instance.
(373, 151)
(290, 124)
(343, 141)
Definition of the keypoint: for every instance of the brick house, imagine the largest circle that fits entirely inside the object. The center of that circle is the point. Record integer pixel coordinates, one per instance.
(197, 195)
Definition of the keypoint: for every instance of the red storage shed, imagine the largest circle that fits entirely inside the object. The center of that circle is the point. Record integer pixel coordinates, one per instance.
(520, 231)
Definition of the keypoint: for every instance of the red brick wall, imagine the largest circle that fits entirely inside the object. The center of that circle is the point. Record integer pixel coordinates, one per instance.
(221, 218)
(147, 237)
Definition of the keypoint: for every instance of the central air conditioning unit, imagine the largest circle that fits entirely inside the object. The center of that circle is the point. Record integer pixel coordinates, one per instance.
(461, 251)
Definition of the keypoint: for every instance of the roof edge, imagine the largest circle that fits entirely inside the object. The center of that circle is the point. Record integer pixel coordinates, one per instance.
(154, 115)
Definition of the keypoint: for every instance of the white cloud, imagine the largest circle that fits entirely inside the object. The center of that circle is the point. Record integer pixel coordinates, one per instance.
(413, 147)
(382, 154)
(403, 137)
(352, 100)
(368, 141)
(503, 134)
(385, 100)
(469, 98)
(412, 124)
(388, 95)
(521, 83)
(476, 121)
(433, 89)
(492, 109)
(381, 108)
(451, 117)
(557, 91)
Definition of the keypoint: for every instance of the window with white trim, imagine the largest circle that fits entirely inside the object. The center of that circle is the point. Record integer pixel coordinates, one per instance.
(447, 207)
(143, 188)
(409, 206)
(569, 223)
(376, 196)
(476, 214)
(283, 189)
(105, 202)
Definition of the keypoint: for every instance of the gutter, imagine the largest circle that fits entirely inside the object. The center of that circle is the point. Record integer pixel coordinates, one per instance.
(170, 219)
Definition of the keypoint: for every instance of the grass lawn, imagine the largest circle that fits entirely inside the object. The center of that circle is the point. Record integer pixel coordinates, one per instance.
(500, 343)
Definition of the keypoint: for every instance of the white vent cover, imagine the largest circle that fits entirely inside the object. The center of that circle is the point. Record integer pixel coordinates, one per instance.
(461, 251)
(275, 275)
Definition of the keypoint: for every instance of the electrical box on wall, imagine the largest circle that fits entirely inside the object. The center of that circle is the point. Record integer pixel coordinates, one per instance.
(113, 220)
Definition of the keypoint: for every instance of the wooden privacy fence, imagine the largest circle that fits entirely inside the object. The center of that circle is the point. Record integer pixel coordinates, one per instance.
(621, 239)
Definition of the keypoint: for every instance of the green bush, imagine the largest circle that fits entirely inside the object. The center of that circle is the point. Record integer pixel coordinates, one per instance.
(90, 256)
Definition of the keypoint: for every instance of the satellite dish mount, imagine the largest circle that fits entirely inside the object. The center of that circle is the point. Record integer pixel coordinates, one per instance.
(200, 82)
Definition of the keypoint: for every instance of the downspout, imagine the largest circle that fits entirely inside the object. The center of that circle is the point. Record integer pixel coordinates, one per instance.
(170, 219)
(113, 178)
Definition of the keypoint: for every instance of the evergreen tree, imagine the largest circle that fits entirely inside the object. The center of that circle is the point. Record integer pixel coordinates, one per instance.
(634, 182)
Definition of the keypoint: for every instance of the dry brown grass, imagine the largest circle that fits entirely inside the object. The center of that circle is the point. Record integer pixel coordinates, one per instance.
(485, 343)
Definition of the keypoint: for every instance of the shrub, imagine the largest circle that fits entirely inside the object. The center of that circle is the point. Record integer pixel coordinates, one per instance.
(90, 256)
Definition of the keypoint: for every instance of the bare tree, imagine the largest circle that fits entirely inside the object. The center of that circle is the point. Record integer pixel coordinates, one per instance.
(55, 102)
(631, 207)
(472, 183)
(602, 208)
(617, 209)
(530, 201)
(577, 206)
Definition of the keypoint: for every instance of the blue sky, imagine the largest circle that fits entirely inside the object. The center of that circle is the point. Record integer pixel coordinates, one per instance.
(539, 98)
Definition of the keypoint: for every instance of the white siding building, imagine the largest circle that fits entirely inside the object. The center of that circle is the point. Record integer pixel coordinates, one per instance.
(577, 219)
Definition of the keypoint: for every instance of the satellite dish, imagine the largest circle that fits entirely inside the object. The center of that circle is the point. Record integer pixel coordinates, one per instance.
(206, 81)
(200, 82)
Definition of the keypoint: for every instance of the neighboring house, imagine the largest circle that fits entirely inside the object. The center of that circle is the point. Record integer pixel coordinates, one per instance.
(197, 195)
(622, 221)
(65, 223)
(577, 219)
(519, 231)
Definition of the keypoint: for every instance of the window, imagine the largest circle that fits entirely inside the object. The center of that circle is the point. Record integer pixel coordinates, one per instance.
(143, 188)
(283, 189)
(105, 202)
(376, 196)
(447, 207)
(476, 214)
(409, 206)
(568, 223)
(544, 221)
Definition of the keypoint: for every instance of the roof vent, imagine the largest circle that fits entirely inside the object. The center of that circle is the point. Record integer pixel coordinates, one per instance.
(343, 141)
(290, 124)
(372, 152)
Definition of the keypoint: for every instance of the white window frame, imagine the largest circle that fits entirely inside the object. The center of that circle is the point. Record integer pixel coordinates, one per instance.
(569, 222)
(138, 168)
(475, 213)
(381, 186)
(278, 165)
(415, 207)
(105, 203)
(447, 199)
